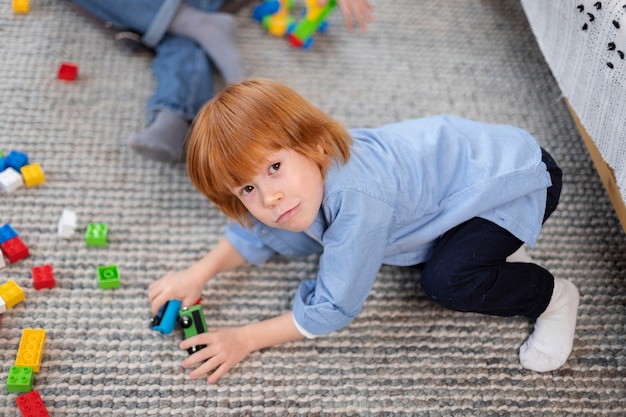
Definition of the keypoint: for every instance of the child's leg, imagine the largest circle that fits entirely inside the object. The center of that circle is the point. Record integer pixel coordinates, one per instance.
(163, 140)
(215, 32)
(468, 272)
(184, 84)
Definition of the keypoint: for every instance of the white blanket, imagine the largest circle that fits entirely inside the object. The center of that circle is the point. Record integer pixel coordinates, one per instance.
(584, 43)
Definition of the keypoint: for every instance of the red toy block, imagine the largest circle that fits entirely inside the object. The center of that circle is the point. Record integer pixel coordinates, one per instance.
(67, 71)
(14, 249)
(43, 277)
(31, 405)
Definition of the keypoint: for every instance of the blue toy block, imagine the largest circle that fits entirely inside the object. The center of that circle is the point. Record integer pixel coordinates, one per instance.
(166, 318)
(268, 7)
(7, 233)
(16, 160)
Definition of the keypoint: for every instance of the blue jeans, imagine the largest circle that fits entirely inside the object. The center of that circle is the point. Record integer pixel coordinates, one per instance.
(181, 67)
(468, 269)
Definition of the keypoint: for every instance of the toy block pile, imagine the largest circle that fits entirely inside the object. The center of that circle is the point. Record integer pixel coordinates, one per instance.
(16, 172)
(21, 376)
(274, 16)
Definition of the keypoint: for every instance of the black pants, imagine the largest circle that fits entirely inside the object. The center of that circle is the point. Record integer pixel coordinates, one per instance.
(468, 269)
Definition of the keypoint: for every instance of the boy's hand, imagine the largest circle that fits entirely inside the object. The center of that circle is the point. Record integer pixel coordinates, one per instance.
(359, 10)
(225, 347)
(182, 285)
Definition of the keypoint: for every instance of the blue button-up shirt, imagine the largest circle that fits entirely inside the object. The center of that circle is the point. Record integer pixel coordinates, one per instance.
(404, 186)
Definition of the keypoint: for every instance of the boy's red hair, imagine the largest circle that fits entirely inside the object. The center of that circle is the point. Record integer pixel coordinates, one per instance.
(238, 129)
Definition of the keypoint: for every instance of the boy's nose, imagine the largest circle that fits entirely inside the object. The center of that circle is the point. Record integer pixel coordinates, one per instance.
(272, 197)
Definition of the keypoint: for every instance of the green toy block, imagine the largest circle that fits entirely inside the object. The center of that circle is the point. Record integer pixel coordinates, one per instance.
(96, 234)
(108, 277)
(20, 379)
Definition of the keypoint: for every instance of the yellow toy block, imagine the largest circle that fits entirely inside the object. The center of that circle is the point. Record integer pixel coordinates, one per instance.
(33, 175)
(30, 351)
(11, 293)
(20, 6)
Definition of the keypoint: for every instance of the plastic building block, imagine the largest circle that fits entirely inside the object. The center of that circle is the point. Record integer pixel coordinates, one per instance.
(165, 320)
(43, 277)
(30, 351)
(108, 277)
(10, 180)
(11, 293)
(274, 16)
(191, 319)
(7, 232)
(14, 249)
(96, 234)
(31, 405)
(20, 6)
(67, 71)
(2, 262)
(3, 306)
(313, 21)
(20, 379)
(33, 175)
(16, 160)
(67, 223)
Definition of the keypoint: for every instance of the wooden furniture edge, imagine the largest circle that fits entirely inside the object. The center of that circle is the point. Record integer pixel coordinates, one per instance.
(604, 171)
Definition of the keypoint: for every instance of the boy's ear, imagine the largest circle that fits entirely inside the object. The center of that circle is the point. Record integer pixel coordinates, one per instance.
(320, 149)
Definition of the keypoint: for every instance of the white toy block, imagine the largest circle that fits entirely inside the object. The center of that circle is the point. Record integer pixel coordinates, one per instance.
(2, 262)
(3, 306)
(10, 180)
(67, 223)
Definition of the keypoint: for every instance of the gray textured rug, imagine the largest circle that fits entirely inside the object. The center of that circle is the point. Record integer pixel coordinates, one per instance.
(403, 355)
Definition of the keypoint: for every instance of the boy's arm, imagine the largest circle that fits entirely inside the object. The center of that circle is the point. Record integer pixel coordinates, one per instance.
(227, 346)
(187, 285)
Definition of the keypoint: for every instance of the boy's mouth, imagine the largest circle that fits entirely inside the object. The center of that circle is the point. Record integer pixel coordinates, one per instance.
(287, 214)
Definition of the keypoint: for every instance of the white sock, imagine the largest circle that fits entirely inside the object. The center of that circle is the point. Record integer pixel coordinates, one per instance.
(215, 33)
(520, 255)
(550, 344)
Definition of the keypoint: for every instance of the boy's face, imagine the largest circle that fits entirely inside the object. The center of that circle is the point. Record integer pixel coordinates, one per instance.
(286, 192)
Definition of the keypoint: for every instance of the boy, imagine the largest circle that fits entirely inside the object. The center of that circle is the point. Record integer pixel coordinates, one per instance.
(456, 195)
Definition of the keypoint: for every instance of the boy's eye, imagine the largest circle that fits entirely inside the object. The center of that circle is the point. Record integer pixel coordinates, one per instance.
(274, 168)
(247, 190)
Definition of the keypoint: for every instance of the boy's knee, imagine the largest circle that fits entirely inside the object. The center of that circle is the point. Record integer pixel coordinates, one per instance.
(436, 284)
(451, 288)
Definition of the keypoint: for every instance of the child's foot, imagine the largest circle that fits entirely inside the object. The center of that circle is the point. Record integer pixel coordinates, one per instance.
(163, 140)
(550, 344)
(215, 33)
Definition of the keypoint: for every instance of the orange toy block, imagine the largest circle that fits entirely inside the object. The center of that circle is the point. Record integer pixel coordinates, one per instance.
(11, 293)
(33, 175)
(30, 351)
(20, 6)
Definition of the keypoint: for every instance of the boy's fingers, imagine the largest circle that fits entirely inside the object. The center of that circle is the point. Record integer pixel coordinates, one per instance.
(218, 373)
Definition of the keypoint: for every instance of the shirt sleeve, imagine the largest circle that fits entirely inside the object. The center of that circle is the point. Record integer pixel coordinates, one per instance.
(248, 244)
(354, 247)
